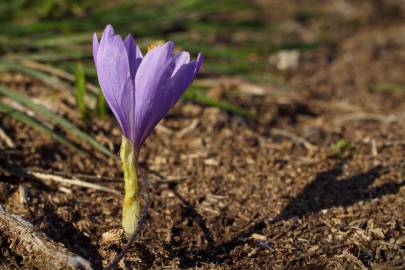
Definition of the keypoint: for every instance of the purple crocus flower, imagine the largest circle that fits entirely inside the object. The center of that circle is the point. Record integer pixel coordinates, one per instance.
(140, 90)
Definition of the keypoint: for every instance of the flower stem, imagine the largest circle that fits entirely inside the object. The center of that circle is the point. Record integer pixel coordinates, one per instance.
(131, 207)
(112, 265)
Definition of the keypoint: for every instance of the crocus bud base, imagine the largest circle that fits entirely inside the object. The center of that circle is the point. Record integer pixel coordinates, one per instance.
(131, 207)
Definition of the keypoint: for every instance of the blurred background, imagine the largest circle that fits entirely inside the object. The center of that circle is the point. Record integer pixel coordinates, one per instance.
(279, 44)
(291, 139)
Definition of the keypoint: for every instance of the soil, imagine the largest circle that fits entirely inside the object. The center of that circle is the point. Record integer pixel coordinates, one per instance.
(317, 182)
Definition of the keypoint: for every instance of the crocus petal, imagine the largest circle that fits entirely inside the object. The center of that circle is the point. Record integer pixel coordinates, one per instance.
(200, 59)
(113, 72)
(181, 80)
(127, 109)
(107, 34)
(134, 55)
(181, 59)
(152, 90)
(183, 77)
(155, 81)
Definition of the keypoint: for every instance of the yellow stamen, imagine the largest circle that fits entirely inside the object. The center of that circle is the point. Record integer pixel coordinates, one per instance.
(152, 46)
(155, 44)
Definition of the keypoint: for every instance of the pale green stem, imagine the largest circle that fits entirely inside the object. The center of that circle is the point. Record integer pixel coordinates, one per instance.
(131, 207)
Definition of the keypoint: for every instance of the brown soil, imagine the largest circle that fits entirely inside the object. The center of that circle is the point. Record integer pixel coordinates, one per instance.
(229, 193)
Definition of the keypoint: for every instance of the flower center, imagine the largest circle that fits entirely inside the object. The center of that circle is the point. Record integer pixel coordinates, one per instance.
(152, 46)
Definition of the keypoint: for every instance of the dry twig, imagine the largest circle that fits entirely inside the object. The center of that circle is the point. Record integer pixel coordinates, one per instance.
(6, 139)
(294, 138)
(74, 182)
(392, 143)
(58, 179)
(341, 120)
(98, 178)
(35, 247)
(57, 72)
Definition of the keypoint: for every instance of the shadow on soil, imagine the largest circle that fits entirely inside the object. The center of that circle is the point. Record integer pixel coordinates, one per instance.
(57, 229)
(217, 253)
(327, 191)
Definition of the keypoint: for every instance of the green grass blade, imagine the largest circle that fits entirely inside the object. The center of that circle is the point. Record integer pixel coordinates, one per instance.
(61, 121)
(28, 120)
(202, 99)
(387, 87)
(54, 56)
(52, 81)
(101, 105)
(80, 89)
